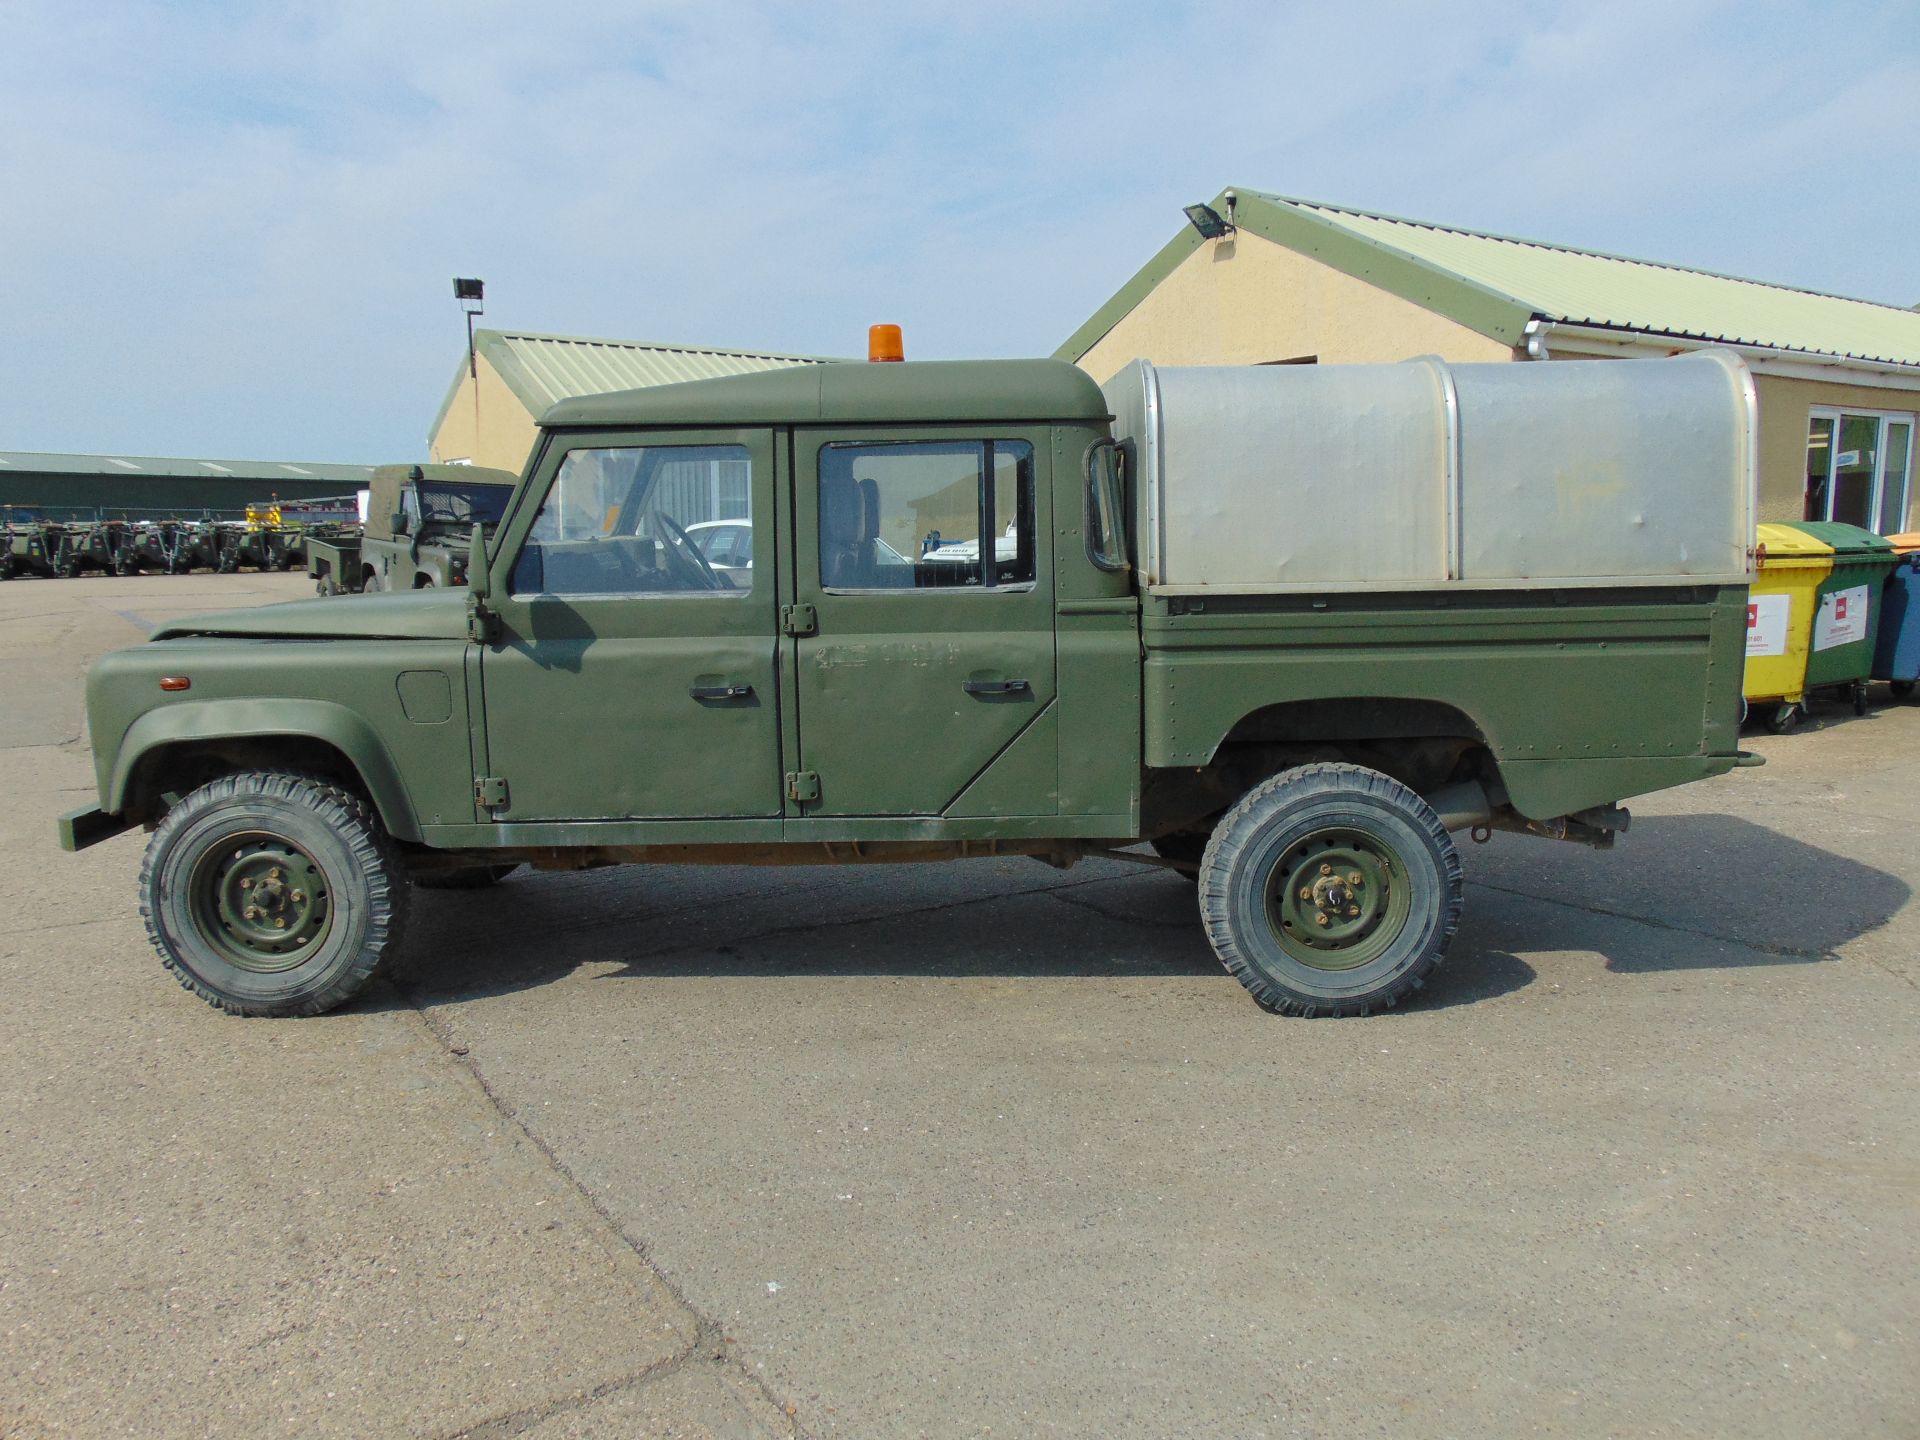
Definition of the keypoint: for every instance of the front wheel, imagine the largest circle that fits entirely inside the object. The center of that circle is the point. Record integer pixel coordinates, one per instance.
(1330, 890)
(271, 893)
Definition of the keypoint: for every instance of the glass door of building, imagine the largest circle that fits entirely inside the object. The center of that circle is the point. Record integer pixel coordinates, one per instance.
(1859, 469)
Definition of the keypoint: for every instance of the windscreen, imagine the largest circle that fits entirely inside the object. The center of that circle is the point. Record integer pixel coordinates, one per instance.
(449, 502)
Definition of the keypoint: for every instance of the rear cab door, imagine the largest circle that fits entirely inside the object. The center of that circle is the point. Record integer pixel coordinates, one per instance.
(921, 627)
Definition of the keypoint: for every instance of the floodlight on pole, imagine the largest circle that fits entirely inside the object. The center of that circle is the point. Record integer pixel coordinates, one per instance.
(470, 293)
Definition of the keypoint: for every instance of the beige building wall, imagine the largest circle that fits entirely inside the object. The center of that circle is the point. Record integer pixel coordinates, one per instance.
(486, 424)
(1785, 405)
(1246, 301)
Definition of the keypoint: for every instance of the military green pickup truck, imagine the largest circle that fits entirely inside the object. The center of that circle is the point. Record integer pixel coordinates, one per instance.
(1290, 627)
(416, 531)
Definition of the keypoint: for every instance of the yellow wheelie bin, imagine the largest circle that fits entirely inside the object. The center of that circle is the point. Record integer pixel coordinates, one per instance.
(1780, 610)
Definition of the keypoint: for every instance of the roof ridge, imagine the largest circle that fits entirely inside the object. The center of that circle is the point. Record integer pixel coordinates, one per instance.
(1442, 228)
(684, 349)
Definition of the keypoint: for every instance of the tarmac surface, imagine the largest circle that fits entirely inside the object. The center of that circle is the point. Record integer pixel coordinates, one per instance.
(973, 1149)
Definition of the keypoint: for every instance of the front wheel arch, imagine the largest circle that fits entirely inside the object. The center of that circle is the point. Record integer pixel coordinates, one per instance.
(175, 750)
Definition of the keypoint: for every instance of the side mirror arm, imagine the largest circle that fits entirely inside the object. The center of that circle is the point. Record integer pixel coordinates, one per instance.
(483, 625)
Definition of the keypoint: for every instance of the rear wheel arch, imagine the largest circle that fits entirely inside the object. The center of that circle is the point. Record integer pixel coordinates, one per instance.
(1423, 744)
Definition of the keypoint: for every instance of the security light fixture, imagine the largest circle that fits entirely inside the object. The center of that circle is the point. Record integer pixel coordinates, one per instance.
(470, 293)
(1207, 221)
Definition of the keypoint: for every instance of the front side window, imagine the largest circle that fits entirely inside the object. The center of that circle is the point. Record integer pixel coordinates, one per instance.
(616, 522)
(912, 516)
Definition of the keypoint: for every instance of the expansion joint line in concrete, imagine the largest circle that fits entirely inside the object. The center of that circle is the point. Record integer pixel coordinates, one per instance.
(708, 1340)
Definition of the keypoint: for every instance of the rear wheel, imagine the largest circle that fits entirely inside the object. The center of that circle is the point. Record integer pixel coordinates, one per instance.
(1330, 890)
(271, 893)
(1783, 718)
(1902, 689)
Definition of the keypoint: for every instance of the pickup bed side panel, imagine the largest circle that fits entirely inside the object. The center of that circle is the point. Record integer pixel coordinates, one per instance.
(1583, 697)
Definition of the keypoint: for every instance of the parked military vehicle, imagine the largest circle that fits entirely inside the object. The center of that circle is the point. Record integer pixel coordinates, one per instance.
(1294, 627)
(419, 522)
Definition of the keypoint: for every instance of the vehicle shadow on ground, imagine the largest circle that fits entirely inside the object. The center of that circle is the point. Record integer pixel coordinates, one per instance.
(672, 923)
(1684, 892)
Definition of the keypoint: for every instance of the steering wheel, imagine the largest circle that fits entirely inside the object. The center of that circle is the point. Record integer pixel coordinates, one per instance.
(684, 542)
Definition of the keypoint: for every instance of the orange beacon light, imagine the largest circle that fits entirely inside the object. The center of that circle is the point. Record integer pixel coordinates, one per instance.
(884, 343)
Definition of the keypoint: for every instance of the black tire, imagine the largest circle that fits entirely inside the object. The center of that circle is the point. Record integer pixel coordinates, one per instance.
(1186, 848)
(353, 918)
(323, 586)
(1860, 697)
(478, 877)
(373, 584)
(1902, 689)
(1302, 834)
(1783, 718)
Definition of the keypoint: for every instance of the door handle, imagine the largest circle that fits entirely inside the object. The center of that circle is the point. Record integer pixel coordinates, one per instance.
(720, 692)
(996, 687)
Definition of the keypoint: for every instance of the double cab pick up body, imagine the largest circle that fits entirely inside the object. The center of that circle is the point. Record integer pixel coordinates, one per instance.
(1199, 622)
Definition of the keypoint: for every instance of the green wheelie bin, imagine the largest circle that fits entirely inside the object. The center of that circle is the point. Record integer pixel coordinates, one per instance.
(1847, 609)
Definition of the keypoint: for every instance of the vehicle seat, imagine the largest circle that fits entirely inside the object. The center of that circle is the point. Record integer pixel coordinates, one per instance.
(843, 558)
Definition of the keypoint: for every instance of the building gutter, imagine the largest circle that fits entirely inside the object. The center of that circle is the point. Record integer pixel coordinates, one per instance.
(1547, 339)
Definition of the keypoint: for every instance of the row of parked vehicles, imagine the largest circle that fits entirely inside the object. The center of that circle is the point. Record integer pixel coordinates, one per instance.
(272, 535)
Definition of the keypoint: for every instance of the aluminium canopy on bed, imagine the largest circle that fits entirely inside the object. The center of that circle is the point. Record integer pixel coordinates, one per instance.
(1425, 475)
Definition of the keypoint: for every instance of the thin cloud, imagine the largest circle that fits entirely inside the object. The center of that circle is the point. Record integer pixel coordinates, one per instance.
(230, 230)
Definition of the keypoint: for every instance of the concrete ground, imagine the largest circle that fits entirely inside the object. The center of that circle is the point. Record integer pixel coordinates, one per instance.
(979, 1149)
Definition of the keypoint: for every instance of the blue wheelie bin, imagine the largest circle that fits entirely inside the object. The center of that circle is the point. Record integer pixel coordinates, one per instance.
(1896, 654)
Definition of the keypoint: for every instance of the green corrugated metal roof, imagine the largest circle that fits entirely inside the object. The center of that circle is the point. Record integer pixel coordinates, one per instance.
(1494, 284)
(543, 370)
(158, 468)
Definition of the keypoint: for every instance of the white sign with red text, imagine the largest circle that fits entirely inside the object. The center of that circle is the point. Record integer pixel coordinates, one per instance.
(1767, 624)
(1842, 619)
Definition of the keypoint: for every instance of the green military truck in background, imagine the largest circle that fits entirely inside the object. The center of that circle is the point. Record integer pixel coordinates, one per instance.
(1293, 627)
(415, 532)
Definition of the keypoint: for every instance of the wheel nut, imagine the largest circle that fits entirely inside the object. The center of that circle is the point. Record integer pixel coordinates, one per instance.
(279, 922)
(299, 897)
(1321, 918)
(1326, 869)
(1354, 878)
(246, 883)
(1353, 912)
(250, 913)
(1306, 892)
(273, 874)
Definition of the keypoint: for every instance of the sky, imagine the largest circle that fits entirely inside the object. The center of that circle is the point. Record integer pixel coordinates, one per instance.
(229, 230)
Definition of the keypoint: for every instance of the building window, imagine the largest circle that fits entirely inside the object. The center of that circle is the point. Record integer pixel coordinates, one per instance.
(1860, 468)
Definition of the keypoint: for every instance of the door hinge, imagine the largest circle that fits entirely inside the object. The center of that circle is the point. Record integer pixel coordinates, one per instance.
(798, 619)
(490, 792)
(803, 786)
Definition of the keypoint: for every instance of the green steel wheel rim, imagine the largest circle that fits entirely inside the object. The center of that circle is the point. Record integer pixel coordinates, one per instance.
(261, 902)
(1338, 898)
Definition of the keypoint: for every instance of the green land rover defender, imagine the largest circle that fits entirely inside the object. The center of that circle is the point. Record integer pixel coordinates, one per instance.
(1290, 627)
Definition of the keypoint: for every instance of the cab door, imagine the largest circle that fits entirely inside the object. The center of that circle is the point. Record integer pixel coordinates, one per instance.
(631, 678)
(923, 610)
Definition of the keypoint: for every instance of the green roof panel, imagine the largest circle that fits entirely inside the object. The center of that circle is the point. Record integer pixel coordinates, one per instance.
(1494, 284)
